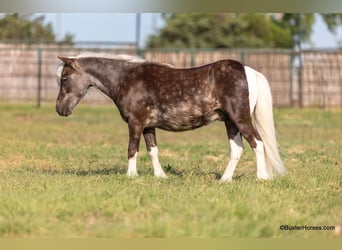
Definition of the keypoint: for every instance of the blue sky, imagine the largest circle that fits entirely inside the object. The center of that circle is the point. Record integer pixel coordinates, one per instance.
(105, 27)
(121, 27)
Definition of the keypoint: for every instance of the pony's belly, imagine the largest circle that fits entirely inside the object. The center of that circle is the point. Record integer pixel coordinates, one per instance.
(185, 121)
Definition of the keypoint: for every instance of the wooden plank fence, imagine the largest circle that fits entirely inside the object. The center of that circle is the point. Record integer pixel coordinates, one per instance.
(21, 68)
(322, 79)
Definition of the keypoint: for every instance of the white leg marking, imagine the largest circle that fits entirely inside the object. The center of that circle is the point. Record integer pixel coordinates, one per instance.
(132, 166)
(158, 171)
(259, 151)
(236, 150)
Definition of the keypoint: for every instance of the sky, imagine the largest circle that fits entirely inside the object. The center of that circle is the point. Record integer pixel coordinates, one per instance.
(109, 27)
(105, 27)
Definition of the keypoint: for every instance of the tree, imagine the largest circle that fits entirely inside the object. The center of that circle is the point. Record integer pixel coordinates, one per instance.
(27, 28)
(301, 25)
(221, 31)
(237, 30)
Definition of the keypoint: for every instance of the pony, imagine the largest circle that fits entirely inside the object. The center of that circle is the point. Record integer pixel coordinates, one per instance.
(153, 95)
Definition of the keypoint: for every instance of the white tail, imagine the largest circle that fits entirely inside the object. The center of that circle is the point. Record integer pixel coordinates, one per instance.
(263, 116)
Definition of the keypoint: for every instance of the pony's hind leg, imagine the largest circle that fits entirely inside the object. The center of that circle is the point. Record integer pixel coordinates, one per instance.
(151, 144)
(240, 116)
(254, 140)
(262, 173)
(236, 150)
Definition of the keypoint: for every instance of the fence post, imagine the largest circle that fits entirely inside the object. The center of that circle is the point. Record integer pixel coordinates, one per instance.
(291, 67)
(300, 78)
(39, 77)
(242, 56)
(300, 57)
(192, 58)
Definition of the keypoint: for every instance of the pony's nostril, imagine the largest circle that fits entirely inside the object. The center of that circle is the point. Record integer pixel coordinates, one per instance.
(63, 111)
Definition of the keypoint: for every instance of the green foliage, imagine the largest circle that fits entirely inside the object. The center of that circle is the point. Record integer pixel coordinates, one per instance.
(293, 22)
(332, 20)
(220, 31)
(29, 28)
(66, 177)
(237, 30)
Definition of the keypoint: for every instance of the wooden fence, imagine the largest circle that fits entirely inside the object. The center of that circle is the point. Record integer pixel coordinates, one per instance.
(28, 73)
(322, 79)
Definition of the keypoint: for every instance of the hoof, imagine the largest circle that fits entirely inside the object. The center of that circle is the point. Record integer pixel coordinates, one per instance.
(263, 178)
(132, 174)
(226, 180)
(161, 176)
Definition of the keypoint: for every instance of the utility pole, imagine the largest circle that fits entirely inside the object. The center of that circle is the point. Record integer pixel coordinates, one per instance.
(39, 76)
(137, 31)
(300, 59)
(59, 27)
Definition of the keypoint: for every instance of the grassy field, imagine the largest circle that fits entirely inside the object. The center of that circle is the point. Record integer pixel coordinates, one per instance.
(66, 177)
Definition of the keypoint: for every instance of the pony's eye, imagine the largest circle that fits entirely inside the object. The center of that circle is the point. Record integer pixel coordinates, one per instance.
(64, 78)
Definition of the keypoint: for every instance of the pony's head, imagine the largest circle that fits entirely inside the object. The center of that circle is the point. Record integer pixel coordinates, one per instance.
(73, 85)
(74, 80)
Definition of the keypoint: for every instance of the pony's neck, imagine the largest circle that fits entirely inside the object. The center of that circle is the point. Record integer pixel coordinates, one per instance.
(105, 74)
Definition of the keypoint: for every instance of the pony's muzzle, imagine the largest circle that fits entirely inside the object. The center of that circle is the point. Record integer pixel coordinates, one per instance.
(63, 111)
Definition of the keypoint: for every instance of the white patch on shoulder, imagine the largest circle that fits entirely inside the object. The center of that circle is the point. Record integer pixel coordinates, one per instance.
(59, 70)
(252, 87)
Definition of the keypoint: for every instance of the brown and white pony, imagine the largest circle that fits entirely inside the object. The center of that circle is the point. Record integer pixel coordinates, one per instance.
(152, 95)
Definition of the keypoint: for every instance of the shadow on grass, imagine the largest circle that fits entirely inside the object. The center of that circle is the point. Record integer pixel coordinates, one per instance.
(122, 170)
(170, 170)
(219, 175)
(114, 170)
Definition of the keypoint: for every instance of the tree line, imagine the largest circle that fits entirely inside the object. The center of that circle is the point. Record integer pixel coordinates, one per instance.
(228, 30)
(28, 28)
(195, 30)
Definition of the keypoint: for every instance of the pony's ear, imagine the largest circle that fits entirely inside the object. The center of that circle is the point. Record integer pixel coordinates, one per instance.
(67, 60)
(70, 61)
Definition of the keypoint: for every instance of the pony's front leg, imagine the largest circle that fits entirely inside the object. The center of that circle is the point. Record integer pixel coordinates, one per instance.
(151, 144)
(133, 148)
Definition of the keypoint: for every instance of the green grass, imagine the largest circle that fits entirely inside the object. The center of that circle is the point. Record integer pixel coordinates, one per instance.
(66, 177)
